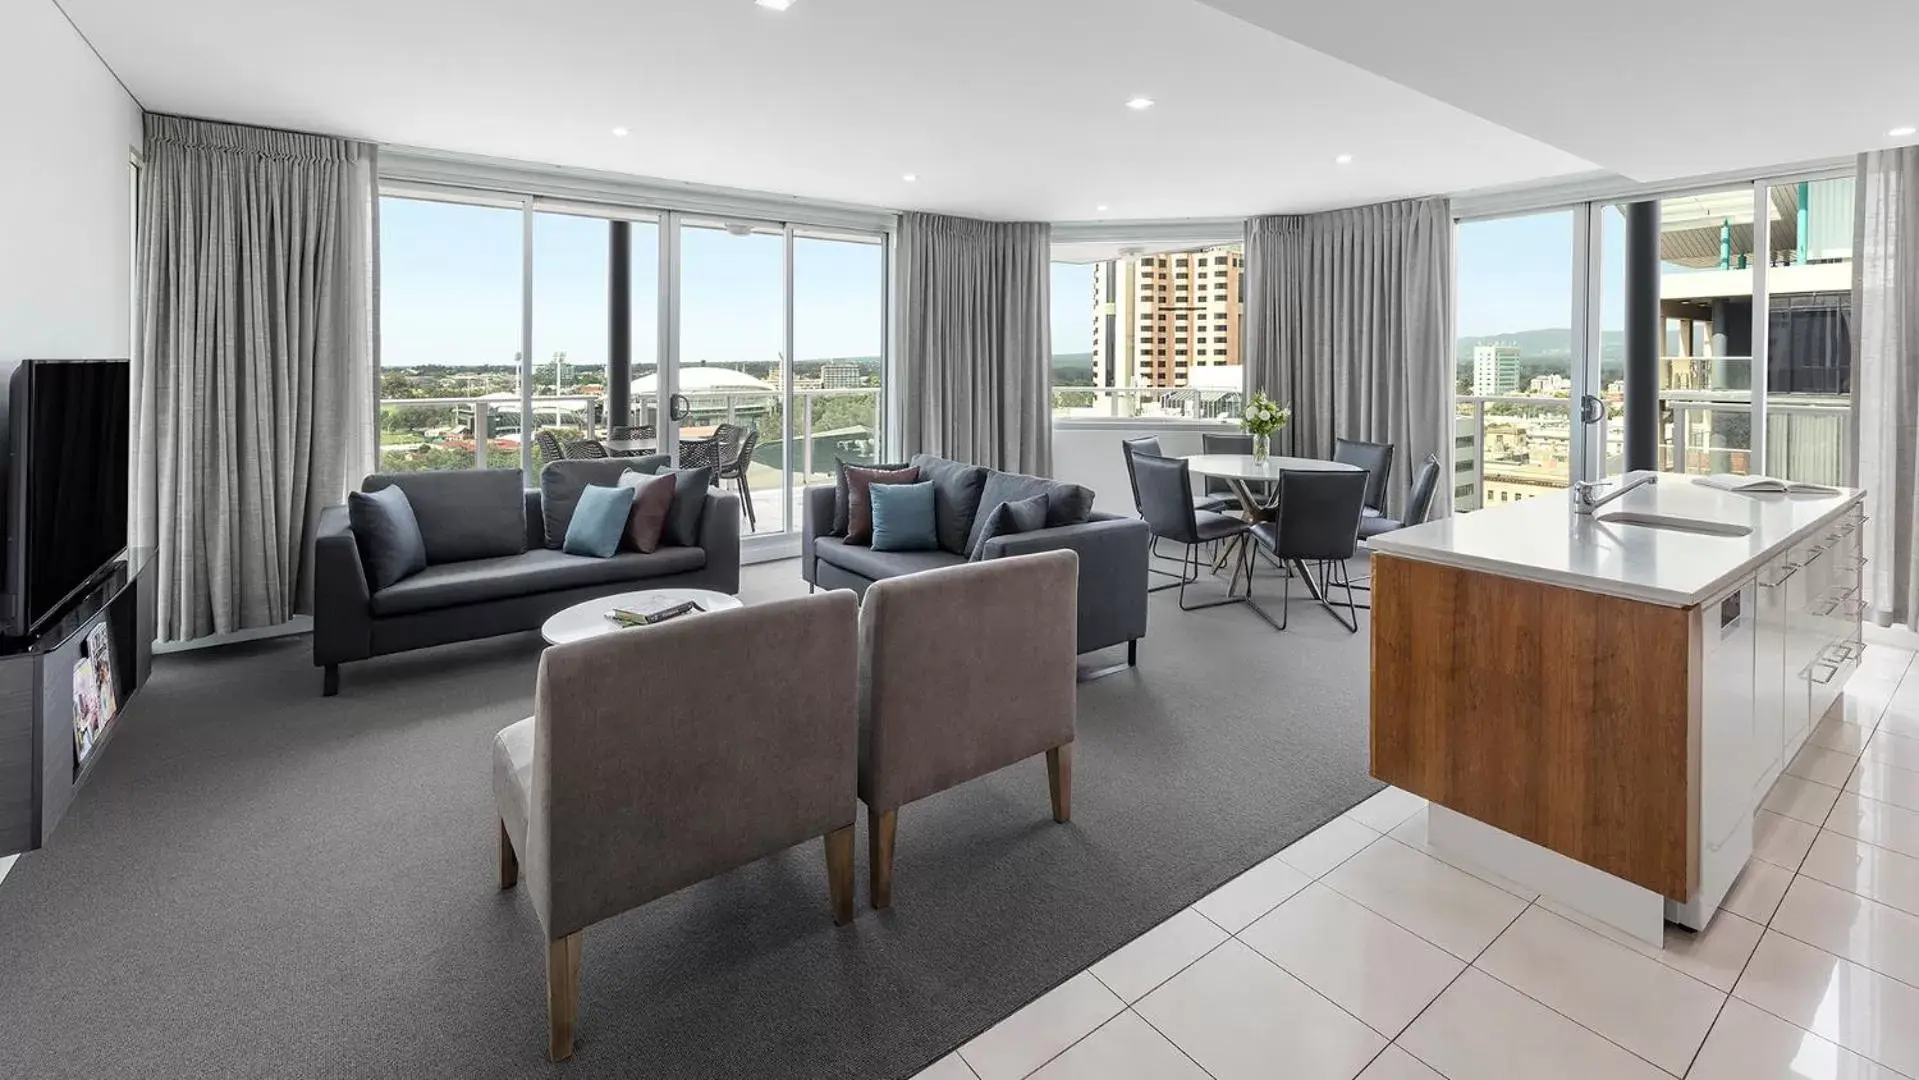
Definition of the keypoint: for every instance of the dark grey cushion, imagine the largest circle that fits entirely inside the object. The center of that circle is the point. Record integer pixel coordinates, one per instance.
(538, 571)
(1010, 519)
(875, 565)
(463, 513)
(562, 481)
(840, 504)
(387, 534)
(1066, 504)
(956, 498)
(689, 501)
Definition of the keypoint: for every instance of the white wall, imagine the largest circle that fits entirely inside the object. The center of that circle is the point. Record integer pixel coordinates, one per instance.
(66, 233)
(1086, 452)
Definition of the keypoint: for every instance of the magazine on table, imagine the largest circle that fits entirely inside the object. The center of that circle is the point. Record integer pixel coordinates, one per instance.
(1763, 485)
(651, 610)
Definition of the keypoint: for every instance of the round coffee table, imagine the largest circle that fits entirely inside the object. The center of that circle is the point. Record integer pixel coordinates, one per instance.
(582, 621)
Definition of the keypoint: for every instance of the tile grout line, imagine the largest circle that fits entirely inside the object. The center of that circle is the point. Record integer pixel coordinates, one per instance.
(1471, 965)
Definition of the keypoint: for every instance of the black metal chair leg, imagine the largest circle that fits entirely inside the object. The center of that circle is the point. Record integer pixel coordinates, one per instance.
(746, 503)
(1351, 623)
(1192, 553)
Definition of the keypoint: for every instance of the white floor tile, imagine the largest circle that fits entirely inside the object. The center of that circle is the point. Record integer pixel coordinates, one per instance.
(1876, 822)
(1237, 903)
(1756, 893)
(1904, 721)
(1887, 783)
(1714, 956)
(1239, 1015)
(1749, 1044)
(1396, 1064)
(1448, 907)
(1894, 749)
(1845, 924)
(1839, 735)
(1481, 1029)
(1412, 833)
(1829, 767)
(1034, 1035)
(1780, 840)
(1801, 799)
(1135, 968)
(1126, 1048)
(1372, 968)
(1635, 1001)
(1333, 843)
(1856, 1007)
(1863, 704)
(949, 1067)
(1873, 872)
(1384, 811)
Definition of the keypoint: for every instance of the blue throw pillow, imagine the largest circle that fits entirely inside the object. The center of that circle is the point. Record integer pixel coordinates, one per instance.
(599, 520)
(903, 517)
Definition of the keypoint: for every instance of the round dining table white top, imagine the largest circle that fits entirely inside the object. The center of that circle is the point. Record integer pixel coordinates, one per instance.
(1243, 467)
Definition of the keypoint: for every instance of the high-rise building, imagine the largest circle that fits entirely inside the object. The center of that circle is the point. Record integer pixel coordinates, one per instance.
(1157, 317)
(1495, 369)
(840, 376)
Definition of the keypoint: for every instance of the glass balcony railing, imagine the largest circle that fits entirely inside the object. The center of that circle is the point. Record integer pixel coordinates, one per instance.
(1145, 402)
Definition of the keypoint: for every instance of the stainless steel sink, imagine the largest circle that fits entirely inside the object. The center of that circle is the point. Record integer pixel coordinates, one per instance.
(1677, 524)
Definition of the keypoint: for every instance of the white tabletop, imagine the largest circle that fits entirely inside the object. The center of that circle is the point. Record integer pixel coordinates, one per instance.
(1243, 467)
(582, 621)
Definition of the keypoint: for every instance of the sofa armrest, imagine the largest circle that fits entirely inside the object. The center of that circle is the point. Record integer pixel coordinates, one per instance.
(720, 539)
(342, 619)
(816, 516)
(1113, 557)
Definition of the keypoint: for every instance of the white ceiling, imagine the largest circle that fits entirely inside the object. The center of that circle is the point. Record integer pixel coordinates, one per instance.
(1651, 89)
(1003, 108)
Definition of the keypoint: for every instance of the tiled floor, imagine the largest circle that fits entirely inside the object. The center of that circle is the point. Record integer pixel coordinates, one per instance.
(1358, 952)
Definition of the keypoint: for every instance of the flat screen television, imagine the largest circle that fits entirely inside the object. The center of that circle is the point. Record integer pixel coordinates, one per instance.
(68, 440)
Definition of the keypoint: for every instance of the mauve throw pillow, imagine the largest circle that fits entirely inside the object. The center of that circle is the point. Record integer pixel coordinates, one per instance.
(652, 498)
(859, 504)
(840, 504)
(388, 535)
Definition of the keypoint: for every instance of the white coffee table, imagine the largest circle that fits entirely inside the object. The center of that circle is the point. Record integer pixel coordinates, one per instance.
(582, 621)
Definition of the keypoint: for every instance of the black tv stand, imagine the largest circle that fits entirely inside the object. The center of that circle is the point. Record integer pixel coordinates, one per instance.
(38, 777)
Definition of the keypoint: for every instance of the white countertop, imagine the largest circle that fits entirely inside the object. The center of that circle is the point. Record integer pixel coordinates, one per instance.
(1543, 540)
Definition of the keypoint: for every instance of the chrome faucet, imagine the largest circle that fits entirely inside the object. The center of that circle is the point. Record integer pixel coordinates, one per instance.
(1586, 497)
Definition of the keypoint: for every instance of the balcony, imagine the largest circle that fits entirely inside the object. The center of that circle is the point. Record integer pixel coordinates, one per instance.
(1145, 403)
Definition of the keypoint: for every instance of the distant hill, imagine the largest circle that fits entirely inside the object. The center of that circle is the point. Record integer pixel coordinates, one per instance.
(1548, 351)
(1073, 369)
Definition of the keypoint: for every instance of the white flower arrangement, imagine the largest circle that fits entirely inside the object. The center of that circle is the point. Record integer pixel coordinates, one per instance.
(1263, 415)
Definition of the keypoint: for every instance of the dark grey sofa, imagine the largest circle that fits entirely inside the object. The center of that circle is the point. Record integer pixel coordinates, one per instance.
(1113, 551)
(493, 561)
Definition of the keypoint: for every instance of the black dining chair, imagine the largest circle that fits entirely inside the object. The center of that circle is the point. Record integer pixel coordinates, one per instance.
(1419, 503)
(548, 446)
(1377, 460)
(1166, 502)
(583, 449)
(1149, 445)
(1317, 521)
(735, 470)
(1228, 444)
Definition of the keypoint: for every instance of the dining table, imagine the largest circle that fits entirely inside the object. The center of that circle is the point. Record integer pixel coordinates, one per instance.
(651, 443)
(1254, 482)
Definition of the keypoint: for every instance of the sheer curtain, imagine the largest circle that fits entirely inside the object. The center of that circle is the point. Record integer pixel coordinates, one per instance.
(976, 349)
(1885, 382)
(1349, 318)
(254, 376)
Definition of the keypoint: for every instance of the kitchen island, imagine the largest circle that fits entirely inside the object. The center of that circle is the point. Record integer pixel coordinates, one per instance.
(1595, 704)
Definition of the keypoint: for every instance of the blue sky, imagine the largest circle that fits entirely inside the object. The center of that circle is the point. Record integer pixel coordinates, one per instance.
(450, 290)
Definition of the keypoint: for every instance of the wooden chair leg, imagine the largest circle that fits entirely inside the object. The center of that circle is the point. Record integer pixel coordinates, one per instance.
(1059, 781)
(839, 873)
(879, 852)
(562, 994)
(509, 862)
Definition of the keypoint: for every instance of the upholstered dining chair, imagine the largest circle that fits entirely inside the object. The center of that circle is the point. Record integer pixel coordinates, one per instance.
(1226, 444)
(1419, 506)
(964, 670)
(1317, 521)
(1377, 460)
(1149, 444)
(607, 806)
(1166, 502)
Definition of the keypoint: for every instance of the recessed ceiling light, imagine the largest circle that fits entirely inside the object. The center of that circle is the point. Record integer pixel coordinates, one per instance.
(1343, 159)
(1902, 131)
(775, 5)
(1140, 103)
(621, 132)
(910, 177)
(1102, 208)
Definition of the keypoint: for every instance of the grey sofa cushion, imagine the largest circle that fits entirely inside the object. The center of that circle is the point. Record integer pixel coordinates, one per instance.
(875, 565)
(562, 481)
(1010, 519)
(957, 487)
(1066, 504)
(539, 571)
(463, 513)
(689, 503)
(387, 534)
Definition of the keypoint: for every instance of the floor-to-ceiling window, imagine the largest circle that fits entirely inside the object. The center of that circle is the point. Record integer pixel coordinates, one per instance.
(839, 340)
(732, 365)
(1809, 332)
(1707, 246)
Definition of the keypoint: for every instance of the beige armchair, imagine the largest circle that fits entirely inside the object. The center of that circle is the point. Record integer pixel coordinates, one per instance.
(659, 757)
(964, 670)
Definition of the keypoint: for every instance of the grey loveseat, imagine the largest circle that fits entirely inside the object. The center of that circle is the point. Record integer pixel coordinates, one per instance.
(1113, 551)
(494, 564)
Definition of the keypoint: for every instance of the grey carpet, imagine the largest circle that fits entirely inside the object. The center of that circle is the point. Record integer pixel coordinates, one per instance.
(258, 881)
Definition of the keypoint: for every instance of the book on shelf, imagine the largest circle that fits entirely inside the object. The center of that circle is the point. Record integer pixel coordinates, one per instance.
(1767, 485)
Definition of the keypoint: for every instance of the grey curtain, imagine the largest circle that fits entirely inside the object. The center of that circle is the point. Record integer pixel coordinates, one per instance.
(976, 342)
(1349, 318)
(1885, 376)
(254, 367)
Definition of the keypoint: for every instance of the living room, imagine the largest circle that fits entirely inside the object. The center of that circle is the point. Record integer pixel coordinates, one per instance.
(1161, 538)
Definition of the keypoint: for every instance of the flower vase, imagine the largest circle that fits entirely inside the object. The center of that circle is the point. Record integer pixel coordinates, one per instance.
(1262, 448)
